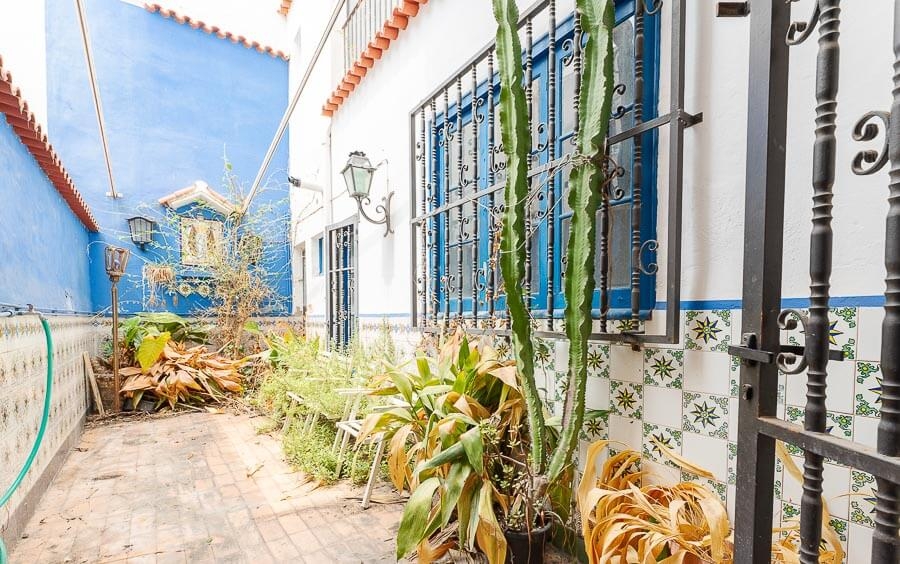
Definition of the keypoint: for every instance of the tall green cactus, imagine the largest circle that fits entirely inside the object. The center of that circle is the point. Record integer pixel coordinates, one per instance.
(516, 137)
(594, 106)
(597, 19)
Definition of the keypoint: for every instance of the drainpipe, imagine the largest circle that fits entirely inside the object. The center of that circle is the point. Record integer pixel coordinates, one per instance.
(329, 182)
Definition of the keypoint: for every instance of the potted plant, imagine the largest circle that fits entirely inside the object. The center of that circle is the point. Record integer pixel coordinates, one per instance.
(550, 462)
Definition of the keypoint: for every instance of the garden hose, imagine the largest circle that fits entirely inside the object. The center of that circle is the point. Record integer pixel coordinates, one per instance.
(40, 435)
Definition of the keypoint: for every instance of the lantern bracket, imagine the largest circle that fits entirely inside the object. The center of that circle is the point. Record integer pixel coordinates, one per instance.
(384, 208)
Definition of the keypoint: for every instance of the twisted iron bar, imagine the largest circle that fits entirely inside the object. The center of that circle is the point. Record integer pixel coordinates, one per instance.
(827, 15)
(885, 540)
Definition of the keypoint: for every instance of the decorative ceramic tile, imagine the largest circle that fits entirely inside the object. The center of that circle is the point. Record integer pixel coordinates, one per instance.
(708, 372)
(842, 330)
(627, 399)
(597, 393)
(839, 395)
(868, 389)
(625, 326)
(561, 354)
(544, 354)
(718, 488)
(598, 360)
(503, 347)
(596, 429)
(835, 487)
(779, 476)
(865, 431)
(655, 435)
(625, 431)
(838, 424)
(662, 406)
(626, 364)
(862, 498)
(735, 378)
(708, 453)
(664, 367)
(707, 330)
(870, 320)
(859, 544)
(705, 414)
(732, 464)
(790, 513)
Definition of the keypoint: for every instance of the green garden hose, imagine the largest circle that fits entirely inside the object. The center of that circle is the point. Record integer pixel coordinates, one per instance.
(40, 436)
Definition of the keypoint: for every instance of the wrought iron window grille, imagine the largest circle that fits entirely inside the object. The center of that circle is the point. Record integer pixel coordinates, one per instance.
(341, 265)
(458, 173)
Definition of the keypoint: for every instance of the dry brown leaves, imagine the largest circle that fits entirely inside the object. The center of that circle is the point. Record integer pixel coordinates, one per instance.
(184, 375)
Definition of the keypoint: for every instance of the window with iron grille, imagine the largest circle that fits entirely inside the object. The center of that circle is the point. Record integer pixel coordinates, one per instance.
(463, 160)
(459, 175)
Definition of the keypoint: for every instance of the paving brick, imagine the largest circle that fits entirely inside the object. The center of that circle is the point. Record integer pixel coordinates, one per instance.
(189, 500)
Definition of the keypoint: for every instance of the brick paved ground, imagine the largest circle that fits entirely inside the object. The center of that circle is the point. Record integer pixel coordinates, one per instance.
(176, 490)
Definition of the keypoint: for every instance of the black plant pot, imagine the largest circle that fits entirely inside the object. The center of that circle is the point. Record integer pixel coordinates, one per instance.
(523, 547)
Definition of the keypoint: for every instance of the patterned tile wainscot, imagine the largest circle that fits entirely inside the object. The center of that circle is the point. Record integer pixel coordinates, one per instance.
(23, 366)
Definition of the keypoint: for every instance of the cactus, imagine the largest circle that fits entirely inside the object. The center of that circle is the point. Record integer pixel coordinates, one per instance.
(586, 181)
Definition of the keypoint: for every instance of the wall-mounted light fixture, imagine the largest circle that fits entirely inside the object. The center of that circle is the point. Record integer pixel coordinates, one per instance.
(141, 230)
(358, 175)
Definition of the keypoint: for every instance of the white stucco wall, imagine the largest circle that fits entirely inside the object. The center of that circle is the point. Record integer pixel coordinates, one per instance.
(446, 33)
(24, 51)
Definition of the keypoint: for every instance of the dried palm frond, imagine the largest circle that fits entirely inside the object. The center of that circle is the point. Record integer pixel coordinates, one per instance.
(184, 375)
(624, 521)
(787, 549)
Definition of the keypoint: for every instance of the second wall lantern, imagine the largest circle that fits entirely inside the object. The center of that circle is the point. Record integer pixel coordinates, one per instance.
(358, 175)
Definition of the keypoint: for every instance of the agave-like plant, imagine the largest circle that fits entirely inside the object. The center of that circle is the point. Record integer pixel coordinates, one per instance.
(450, 437)
(586, 181)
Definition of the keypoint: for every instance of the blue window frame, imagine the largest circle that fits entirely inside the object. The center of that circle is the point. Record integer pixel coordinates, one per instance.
(460, 165)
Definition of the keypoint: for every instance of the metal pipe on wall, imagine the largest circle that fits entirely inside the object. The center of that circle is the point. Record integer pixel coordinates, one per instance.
(95, 89)
(282, 127)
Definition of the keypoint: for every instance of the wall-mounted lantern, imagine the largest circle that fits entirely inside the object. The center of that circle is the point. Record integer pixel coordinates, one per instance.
(358, 175)
(116, 261)
(141, 230)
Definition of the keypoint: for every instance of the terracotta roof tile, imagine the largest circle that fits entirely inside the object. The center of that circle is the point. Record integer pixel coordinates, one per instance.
(285, 7)
(213, 29)
(390, 30)
(25, 125)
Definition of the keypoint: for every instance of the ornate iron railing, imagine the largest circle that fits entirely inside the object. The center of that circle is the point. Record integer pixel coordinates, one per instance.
(458, 173)
(772, 35)
(365, 18)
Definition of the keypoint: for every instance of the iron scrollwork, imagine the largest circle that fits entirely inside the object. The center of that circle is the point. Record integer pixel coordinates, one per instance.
(789, 362)
(867, 128)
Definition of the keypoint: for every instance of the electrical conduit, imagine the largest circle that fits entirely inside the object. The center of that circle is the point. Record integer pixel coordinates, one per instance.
(40, 435)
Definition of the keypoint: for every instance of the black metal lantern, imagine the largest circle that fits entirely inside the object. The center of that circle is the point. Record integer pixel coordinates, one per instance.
(141, 230)
(116, 261)
(358, 175)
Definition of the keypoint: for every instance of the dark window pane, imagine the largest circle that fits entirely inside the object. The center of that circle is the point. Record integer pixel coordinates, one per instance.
(620, 245)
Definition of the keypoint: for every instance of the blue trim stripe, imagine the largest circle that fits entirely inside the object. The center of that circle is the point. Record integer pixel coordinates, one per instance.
(839, 301)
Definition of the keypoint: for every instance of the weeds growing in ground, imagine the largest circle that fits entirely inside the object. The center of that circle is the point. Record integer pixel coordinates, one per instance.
(300, 366)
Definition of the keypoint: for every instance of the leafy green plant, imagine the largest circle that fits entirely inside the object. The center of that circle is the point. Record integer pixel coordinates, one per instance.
(145, 334)
(453, 438)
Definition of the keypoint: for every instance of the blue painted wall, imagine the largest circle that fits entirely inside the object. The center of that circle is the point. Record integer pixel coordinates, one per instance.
(42, 244)
(176, 102)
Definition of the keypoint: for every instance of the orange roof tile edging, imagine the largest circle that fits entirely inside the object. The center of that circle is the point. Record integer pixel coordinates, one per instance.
(25, 125)
(398, 21)
(213, 29)
(285, 7)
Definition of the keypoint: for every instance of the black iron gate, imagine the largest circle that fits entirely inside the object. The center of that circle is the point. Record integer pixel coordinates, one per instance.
(772, 35)
(341, 243)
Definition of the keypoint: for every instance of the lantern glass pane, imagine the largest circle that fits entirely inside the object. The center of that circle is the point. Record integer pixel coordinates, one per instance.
(362, 181)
